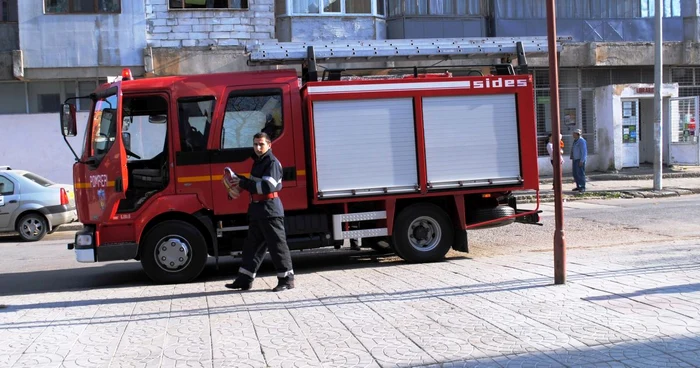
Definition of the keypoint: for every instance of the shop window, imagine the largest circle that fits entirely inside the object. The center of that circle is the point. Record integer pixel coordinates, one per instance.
(82, 6)
(208, 4)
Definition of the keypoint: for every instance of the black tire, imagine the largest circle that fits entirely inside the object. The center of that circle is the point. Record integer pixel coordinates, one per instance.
(174, 239)
(32, 227)
(423, 222)
(492, 213)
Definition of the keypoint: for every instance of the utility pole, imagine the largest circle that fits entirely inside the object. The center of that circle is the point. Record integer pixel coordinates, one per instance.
(559, 241)
(658, 99)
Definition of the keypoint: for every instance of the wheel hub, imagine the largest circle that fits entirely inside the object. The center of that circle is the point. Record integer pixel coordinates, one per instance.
(424, 234)
(172, 253)
(31, 227)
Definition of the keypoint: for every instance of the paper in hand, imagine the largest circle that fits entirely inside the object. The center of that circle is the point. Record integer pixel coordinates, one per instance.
(231, 183)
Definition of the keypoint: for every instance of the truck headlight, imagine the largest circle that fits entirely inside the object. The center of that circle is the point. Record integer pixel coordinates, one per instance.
(84, 239)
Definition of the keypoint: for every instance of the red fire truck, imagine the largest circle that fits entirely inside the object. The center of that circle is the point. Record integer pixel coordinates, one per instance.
(410, 163)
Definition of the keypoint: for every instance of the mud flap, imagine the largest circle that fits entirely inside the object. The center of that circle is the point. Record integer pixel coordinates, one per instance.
(209, 225)
(460, 243)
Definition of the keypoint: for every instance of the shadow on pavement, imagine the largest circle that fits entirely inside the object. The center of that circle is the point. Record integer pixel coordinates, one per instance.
(663, 351)
(130, 273)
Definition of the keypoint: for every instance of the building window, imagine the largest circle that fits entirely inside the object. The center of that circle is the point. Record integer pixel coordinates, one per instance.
(82, 6)
(437, 7)
(335, 7)
(672, 8)
(584, 9)
(8, 11)
(208, 4)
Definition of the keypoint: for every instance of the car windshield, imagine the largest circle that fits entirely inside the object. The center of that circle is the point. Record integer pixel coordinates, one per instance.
(38, 179)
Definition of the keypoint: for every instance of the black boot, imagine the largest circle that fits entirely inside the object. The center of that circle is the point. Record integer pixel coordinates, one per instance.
(241, 282)
(284, 283)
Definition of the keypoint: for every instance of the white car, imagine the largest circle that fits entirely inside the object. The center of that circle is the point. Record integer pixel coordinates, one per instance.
(33, 206)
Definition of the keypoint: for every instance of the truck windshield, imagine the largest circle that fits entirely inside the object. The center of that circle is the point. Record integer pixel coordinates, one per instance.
(103, 131)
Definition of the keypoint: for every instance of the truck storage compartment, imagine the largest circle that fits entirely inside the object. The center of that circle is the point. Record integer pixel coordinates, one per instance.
(365, 147)
(471, 141)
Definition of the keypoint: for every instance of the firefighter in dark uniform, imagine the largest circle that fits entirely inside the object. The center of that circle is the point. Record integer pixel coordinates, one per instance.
(266, 220)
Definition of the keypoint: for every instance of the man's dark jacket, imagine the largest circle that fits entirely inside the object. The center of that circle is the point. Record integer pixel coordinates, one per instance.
(265, 178)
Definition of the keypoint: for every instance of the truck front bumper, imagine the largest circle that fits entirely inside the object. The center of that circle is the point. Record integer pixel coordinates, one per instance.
(87, 252)
(84, 245)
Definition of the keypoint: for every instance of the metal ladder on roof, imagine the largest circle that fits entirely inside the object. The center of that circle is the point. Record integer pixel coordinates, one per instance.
(309, 53)
(276, 53)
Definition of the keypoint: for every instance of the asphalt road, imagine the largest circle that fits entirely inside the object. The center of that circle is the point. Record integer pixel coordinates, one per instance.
(47, 266)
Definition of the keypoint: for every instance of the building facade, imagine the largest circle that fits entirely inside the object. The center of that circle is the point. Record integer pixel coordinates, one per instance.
(51, 50)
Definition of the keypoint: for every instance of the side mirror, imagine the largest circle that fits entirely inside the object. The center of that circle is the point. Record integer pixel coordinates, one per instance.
(158, 119)
(69, 126)
(126, 138)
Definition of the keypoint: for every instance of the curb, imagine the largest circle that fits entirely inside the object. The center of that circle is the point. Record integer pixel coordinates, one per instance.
(529, 197)
(613, 176)
(73, 226)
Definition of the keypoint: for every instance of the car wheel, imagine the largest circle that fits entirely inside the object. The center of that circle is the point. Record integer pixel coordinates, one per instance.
(173, 252)
(32, 227)
(423, 233)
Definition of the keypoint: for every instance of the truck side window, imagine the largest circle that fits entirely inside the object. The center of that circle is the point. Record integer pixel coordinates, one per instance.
(194, 122)
(251, 113)
(6, 186)
(104, 128)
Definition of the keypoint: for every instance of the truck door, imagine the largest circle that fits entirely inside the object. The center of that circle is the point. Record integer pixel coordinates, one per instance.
(102, 179)
(247, 111)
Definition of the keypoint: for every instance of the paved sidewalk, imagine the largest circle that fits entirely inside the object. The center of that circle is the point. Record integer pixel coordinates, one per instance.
(622, 307)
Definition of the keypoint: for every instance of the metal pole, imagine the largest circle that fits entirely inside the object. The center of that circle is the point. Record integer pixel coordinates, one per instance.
(559, 241)
(658, 99)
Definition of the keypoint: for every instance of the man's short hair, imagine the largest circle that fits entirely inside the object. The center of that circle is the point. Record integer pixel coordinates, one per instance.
(262, 135)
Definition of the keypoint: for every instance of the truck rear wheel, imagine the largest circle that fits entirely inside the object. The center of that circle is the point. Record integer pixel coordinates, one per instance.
(422, 233)
(173, 252)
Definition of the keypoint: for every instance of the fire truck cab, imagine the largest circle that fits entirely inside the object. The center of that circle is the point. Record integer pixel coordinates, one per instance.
(406, 164)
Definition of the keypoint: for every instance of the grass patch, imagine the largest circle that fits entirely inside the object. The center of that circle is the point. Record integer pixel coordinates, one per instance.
(604, 195)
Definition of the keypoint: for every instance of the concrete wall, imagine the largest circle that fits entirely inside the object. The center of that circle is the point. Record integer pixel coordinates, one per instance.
(34, 142)
(6, 65)
(314, 28)
(585, 54)
(81, 40)
(198, 60)
(9, 36)
(209, 27)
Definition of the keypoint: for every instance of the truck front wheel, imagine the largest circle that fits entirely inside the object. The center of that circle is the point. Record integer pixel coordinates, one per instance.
(173, 252)
(422, 233)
